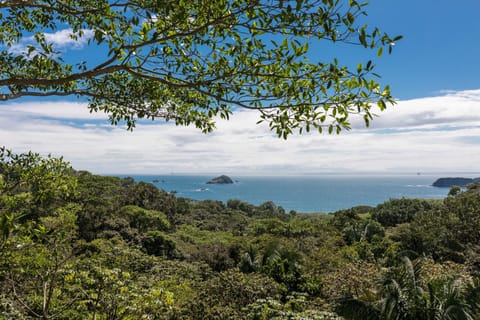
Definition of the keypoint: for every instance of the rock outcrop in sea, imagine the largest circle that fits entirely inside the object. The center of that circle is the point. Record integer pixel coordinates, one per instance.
(223, 179)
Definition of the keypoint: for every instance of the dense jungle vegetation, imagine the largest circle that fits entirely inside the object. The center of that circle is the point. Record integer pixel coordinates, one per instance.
(74, 245)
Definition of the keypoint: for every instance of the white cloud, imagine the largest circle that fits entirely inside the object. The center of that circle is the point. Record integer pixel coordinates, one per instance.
(61, 39)
(450, 109)
(435, 134)
(53, 109)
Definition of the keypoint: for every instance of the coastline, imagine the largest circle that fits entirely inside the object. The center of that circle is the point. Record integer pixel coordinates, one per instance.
(309, 194)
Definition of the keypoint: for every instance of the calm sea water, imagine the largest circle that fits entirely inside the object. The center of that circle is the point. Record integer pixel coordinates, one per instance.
(303, 194)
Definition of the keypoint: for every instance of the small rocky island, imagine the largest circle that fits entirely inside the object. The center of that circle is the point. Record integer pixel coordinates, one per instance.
(223, 179)
(449, 182)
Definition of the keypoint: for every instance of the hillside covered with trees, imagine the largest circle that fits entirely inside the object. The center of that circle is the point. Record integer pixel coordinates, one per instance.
(80, 246)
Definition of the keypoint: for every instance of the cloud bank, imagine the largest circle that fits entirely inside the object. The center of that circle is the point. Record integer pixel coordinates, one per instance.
(433, 134)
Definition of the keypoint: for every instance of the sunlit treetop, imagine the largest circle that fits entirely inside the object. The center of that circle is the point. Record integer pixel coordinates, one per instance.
(191, 61)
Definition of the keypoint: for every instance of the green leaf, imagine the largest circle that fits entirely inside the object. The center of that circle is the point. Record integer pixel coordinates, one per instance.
(299, 4)
(381, 105)
(351, 17)
(380, 52)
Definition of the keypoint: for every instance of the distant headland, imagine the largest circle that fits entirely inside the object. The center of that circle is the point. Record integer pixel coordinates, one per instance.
(223, 179)
(457, 181)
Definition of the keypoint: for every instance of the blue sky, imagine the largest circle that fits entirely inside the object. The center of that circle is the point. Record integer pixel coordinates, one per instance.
(435, 127)
(440, 49)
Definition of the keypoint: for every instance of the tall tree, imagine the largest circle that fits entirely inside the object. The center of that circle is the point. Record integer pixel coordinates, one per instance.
(190, 61)
(38, 234)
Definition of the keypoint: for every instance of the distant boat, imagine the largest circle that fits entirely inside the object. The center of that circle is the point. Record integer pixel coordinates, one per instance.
(155, 181)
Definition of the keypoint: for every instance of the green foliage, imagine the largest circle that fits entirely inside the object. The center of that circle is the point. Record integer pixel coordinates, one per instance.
(226, 295)
(101, 198)
(396, 211)
(220, 250)
(354, 227)
(195, 235)
(35, 262)
(114, 289)
(352, 277)
(245, 207)
(144, 220)
(454, 190)
(272, 226)
(294, 309)
(466, 208)
(218, 256)
(295, 227)
(147, 196)
(210, 215)
(431, 233)
(157, 243)
(114, 207)
(270, 210)
(283, 264)
(192, 61)
(31, 185)
(75, 245)
(447, 231)
(405, 295)
(342, 218)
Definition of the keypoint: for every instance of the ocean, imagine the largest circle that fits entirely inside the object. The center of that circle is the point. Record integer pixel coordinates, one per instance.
(306, 194)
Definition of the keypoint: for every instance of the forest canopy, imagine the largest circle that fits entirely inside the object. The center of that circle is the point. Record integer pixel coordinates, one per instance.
(74, 245)
(193, 61)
